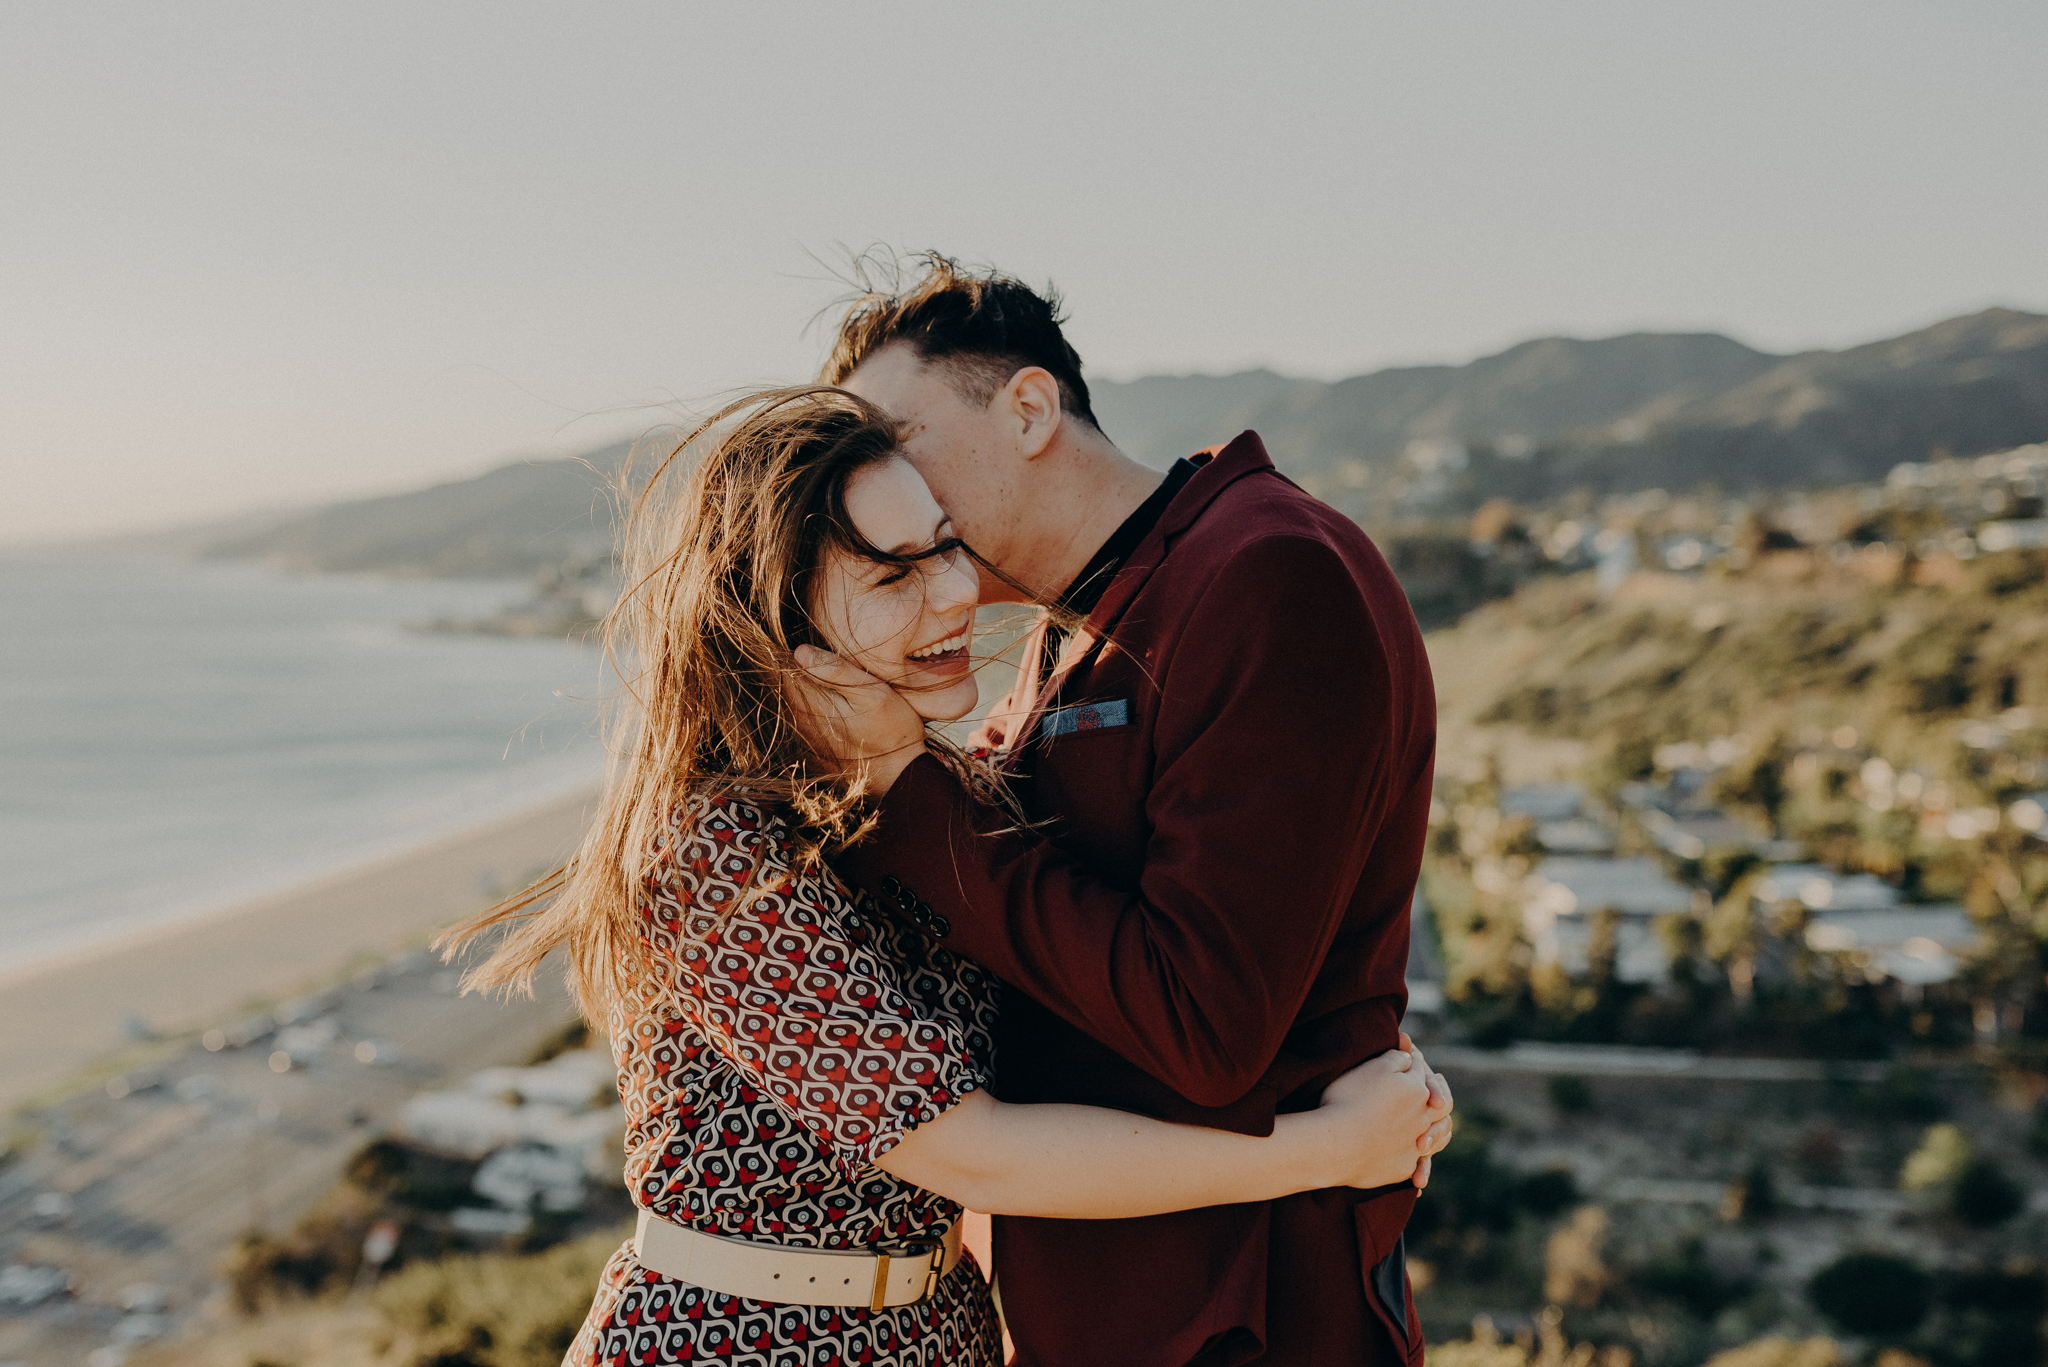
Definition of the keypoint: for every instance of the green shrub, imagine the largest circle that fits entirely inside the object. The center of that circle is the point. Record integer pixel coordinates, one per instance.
(1908, 1094)
(1995, 1317)
(1943, 1154)
(413, 1176)
(1569, 1093)
(1467, 1189)
(2037, 1138)
(573, 1035)
(2022, 1294)
(1544, 1194)
(1872, 1293)
(1984, 1196)
(321, 1251)
(1753, 1196)
(1821, 1155)
(1685, 1276)
(496, 1311)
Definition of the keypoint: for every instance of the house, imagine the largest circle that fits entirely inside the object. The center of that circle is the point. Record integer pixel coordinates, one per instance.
(1569, 886)
(1544, 801)
(2019, 534)
(1563, 893)
(1639, 955)
(2030, 814)
(1820, 888)
(1691, 836)
(1576, 836)
(1915, 945)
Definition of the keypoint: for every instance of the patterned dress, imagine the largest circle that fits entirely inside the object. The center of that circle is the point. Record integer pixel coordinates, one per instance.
(797, 1035)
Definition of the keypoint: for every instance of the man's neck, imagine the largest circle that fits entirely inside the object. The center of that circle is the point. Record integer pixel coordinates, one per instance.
(1084, 494)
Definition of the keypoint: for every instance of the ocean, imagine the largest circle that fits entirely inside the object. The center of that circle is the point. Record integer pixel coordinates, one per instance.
(179, 737)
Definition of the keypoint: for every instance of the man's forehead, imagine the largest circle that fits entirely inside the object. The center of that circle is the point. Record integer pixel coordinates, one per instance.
(901, 381)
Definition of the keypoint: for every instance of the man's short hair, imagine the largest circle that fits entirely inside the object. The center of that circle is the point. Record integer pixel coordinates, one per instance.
(981, 328)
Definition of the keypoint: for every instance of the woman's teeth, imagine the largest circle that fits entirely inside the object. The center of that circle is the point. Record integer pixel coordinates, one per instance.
(945, 647)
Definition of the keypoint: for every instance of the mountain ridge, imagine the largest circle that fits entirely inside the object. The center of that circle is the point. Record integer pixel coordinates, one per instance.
(1532, 423)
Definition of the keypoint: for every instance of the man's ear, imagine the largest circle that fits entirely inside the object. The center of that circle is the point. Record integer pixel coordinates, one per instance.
(1031, 401)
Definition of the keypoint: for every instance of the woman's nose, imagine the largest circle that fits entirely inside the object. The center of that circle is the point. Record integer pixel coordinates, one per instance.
(959, 586)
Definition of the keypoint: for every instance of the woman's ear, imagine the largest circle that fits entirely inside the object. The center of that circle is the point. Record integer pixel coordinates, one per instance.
(1031, 400)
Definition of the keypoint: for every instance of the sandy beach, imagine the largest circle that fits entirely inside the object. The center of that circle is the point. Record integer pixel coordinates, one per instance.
(61, 1016)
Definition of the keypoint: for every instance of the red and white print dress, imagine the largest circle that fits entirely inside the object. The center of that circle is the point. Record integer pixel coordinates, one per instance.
(797, 1035)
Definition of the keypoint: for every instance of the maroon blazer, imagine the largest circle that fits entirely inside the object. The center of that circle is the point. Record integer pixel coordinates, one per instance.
(1232, 771)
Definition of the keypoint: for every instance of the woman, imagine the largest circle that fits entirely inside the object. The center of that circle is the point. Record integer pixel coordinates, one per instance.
(804, 1075)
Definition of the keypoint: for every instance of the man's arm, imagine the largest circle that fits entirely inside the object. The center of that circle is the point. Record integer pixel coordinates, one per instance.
(1274, 744)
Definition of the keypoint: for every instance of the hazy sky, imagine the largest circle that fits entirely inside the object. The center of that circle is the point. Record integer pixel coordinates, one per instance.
(265, 254)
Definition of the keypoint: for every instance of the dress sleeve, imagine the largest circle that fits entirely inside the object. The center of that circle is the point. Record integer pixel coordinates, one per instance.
(780, 972)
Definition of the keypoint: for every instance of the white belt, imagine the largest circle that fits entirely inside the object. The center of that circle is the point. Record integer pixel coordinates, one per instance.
(781, 1275)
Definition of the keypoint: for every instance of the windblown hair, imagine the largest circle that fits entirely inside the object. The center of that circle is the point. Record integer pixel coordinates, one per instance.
(721, 551)
(979, 327)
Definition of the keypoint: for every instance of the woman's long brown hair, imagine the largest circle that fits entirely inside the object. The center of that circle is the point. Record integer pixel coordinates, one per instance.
(719, 551)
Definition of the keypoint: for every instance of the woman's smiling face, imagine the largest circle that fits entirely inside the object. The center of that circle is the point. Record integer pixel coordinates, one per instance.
(909, 626)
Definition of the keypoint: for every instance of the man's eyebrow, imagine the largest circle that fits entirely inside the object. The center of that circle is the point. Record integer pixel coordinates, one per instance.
(906, 548)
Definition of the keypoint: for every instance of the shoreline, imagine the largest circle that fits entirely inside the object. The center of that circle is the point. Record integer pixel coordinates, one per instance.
(60, 1015)
(434, 823)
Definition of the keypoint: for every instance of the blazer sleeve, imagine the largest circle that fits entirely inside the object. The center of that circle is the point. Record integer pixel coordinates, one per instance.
(790, 983)
(1273, 753)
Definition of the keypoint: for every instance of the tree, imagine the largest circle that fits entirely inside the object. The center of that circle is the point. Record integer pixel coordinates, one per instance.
(1574, 1273)
(1872, 1293)
(1984, 1196)
(1939, 1160)
(1569, 1093)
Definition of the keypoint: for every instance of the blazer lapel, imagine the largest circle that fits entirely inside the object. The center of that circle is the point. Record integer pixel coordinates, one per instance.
(1222, 466)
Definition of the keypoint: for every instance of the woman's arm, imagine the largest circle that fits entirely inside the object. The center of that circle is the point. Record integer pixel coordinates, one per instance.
(785, 986)
(1084, 1162)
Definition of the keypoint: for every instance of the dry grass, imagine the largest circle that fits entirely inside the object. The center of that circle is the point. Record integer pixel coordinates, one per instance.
(493, 1310)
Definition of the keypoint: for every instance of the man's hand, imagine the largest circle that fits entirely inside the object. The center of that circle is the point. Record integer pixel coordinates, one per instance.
(852, 719)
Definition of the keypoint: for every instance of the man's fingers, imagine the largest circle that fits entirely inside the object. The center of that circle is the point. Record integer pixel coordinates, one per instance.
(1422, 1174)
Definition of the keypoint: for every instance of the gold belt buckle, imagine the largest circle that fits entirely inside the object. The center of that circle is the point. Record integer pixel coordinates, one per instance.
(879, 1296)
(879, 1300)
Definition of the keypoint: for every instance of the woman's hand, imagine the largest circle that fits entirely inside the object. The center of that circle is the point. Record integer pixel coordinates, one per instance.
(1439, 1133)
(854, 719)
(1384, 1119)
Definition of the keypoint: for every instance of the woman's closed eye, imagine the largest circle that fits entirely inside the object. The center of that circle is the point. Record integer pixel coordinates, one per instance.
(943, 549)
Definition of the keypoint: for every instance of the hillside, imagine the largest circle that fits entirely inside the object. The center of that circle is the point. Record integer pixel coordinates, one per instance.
(1537, 391)
(1882, 727)
(1417, 443)
(1793, 643)
(509, 522)
(1647, 410)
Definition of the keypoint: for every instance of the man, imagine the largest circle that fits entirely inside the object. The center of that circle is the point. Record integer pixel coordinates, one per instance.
(1224, 738)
